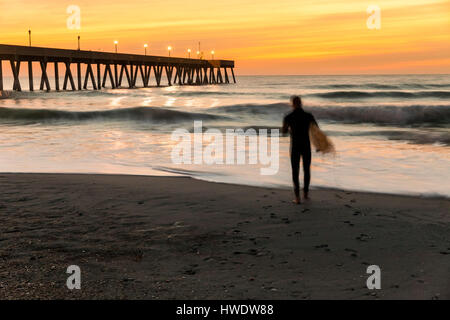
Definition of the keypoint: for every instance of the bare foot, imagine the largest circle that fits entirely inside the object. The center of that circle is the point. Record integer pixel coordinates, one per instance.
(305, 195)
(296, 200)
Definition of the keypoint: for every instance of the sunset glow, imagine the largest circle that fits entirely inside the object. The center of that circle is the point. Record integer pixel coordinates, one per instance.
(277, 37)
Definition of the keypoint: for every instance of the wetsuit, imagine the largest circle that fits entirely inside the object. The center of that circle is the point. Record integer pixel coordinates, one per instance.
(298, 121)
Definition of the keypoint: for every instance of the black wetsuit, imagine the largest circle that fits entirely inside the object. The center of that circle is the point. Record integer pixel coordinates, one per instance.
(298, 121)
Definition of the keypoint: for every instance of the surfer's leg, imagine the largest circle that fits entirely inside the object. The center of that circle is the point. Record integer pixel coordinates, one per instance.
(306, 157)
(295, 163)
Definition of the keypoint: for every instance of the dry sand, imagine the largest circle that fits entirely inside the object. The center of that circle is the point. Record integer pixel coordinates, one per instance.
(138, 237)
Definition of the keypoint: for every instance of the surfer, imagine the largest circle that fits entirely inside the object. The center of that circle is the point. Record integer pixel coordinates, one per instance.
(298, 123)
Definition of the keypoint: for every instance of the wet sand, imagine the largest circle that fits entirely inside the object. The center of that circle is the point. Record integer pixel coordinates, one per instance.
(137, 237)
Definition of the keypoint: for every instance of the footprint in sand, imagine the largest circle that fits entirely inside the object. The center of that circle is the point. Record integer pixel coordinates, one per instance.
(353, 253)
(190, 272)
(363, 237)
(323, 246)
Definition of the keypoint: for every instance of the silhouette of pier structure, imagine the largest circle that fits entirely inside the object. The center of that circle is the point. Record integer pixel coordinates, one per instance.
(86, 70)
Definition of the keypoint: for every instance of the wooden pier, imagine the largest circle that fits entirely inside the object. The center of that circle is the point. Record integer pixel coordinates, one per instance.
(102, 69)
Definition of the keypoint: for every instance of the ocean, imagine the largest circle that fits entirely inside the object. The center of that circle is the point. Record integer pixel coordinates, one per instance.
(391, 132)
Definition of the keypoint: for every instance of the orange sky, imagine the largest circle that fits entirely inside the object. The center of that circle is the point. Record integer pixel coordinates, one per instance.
(264, 37)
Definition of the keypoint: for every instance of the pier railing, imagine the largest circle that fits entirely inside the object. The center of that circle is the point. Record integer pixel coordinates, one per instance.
(105, 68)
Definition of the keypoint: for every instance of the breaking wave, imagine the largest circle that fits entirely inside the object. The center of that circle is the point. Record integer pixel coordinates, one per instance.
(442, 138)
(381, 86)
(136, 114)
(381, 94)
(396, 115)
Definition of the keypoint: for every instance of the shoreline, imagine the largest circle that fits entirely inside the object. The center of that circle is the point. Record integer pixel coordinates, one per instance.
(147, 237)
(431, 196)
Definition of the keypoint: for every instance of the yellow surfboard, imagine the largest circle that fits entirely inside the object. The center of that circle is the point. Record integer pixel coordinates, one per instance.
(320, 140)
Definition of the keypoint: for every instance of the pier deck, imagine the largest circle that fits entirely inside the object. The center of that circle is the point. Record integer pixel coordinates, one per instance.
(102, 69)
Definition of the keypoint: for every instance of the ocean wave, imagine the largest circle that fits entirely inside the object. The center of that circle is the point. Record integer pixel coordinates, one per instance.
(405, 115)
(381, 94)
(5, 94)
(135, 113)
(442, 138)
(272, 108)
(401, 86)
(203, 93)
(416, 137)
(396, 115)
(207, 93)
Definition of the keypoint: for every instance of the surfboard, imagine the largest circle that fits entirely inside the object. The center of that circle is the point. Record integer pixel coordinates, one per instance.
(320, 140)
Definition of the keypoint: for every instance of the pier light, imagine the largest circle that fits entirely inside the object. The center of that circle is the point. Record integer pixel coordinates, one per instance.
(145, 48)
(79, 47)
(189, 53)
(212, 54)
(115, 44)
(29, 36)
(169, 48)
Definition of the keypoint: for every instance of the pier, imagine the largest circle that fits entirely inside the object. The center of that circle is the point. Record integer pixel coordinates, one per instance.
(85, 70)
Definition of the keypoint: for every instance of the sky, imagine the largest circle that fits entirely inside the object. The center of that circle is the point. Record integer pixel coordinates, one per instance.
(263, 37)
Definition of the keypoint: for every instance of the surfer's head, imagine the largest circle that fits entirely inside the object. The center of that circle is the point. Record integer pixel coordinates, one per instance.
(296, 102)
